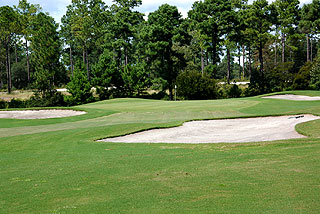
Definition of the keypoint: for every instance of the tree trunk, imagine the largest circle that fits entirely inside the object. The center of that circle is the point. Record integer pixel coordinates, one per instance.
(250, 69)
(170, 91)
(207, 59)
(214, 50)
(88, 72)
(229, 67)
(308, 56)
(283, 41)
(53, 81)
(1, 80)
(15, 52)
(71, 61)
(171, 75)
(119, 58)
(84, 56)
(311, 57)
(28, 62)
(261, 57)
(202, 62)
(8, 67)
(126, 56)
(275, 53)
(243, 59)
(239, 53)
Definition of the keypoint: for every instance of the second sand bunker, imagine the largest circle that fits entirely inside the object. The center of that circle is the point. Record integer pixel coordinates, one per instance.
(219, 131)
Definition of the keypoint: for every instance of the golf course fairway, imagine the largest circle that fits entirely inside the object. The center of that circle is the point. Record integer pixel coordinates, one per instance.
(57, 165)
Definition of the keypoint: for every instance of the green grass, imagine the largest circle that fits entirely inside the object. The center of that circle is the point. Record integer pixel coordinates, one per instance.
(55, 165)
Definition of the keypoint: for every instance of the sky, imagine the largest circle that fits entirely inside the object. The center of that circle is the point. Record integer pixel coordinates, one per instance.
(57, 8)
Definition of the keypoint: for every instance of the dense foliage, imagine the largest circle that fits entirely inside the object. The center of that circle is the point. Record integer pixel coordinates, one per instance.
(192, 85)
(79, 87)
(124, 54)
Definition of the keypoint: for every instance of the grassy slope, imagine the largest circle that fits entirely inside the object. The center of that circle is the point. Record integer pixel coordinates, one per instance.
(54, 165)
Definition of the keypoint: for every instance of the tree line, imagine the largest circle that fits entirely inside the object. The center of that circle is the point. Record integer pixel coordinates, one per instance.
(121, 52)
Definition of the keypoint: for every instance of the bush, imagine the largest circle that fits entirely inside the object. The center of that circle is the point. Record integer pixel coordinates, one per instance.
(3, 104)
(135, 79)
(257, 83)
(315, 73)
(19, 74)
(317, 85)
(302, 79)
(80, 88)
(212, 70)
(50, 99)
(159, 84)
(251, 91)
(192, 85)
(16, 103)
(107, 77)
(280, 77)
(161, 95)
(234, 91)
(42, 82)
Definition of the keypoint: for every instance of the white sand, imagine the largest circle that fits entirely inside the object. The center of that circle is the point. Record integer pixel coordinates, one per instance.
(39, 114)
(292, 97)
(217, 131)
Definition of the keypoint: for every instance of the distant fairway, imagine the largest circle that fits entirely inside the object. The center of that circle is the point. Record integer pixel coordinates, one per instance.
(56, 166)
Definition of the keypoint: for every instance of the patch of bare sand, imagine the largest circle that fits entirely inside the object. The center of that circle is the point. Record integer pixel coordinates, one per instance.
(292, 97)
(39, 114)
(218, 131)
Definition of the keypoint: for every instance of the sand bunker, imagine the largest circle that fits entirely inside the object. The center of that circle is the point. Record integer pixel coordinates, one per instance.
(39, 114)
(218, 131)
(292, 97)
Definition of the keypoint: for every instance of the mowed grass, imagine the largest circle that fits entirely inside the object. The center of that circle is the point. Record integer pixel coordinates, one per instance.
(56, 166)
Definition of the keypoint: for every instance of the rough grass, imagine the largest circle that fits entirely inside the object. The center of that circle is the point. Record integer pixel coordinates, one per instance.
(55, 166)
(22, 95)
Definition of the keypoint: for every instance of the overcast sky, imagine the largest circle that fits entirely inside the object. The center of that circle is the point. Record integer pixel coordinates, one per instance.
(57, 8)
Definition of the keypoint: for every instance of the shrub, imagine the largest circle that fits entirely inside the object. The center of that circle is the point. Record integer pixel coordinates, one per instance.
(280, 76)
(3, 104)
(19, 74)
(16, 103)
(212, 70)
(107, 77)
(315, 73)
(192, 85)
(302, 79)
(42, 82)
(135, 79)
(317, 85)
(257, 83)
(80, 88)
(50, 99)
(161, 95)
(159, 84)
(234, 91)
(251, 91)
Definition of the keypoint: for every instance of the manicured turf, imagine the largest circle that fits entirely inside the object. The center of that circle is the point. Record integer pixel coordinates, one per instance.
(55, 166)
